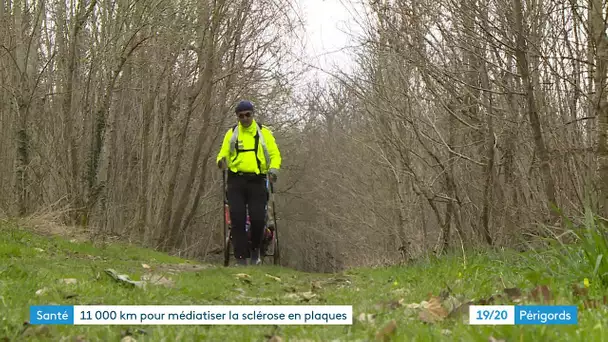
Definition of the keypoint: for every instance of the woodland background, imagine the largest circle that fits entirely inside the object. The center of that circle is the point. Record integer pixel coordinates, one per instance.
(462, 123)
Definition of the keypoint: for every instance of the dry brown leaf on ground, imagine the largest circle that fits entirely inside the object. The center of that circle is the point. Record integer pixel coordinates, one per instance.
(513, 293)
(434, 312)
(255, 299)
(542, 294)
(450, 303)
(305, 296)
(123, 278)
(156, 279)
(290, 288)
(387, 331)
(401, 292)
(413, 306)
(391, 305)
(579, 291)
(366, 318)
(243, 277)
(183, 267)
(129, 332)
(275, 338)
(493, 339)
(42, 291)
(445, 293)
(461, 310)
(486, 301)
(595, 303)
(36, 331)
(273, 277)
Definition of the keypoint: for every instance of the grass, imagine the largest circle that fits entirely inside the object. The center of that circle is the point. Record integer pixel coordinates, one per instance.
(29, 263)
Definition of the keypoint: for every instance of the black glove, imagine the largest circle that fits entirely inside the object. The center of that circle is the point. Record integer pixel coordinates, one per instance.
(222, 164)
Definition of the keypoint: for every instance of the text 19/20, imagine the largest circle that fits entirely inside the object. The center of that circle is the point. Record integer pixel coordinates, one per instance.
(492, 315)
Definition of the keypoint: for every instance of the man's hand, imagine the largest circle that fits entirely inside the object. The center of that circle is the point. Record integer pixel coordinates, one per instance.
(273, 174)
(222, 164)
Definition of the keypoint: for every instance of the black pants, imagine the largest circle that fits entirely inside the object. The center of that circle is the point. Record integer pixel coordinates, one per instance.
(247, 192)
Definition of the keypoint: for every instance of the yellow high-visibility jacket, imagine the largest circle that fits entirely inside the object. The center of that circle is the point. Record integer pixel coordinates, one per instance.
(239, 145)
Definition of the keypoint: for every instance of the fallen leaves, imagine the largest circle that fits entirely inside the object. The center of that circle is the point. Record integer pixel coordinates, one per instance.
(153, 279)
(387, 331)
(244, 277)
(439, 308)
(68, 281)
(33, 331)
(255, 300)
(595, 303)
(315, 286)
(583, 293)
(302, 296)
(514, 293)
(243, 296)
(391, 305)
(366, 318)
(493, 339)
(578, 291)
(433, 312)
(156, 279)
(541, 294)
(446, 306)
(461, 310)
(293, 292)
(275, 338)
(128, 335)
(182, 267)
(273, 277)
(123, 278)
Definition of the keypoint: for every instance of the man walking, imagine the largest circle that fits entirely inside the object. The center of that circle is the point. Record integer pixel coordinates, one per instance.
(250, 154)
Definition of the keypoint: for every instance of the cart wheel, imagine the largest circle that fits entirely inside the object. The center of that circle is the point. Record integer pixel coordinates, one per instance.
(227, 246)
(276, 255)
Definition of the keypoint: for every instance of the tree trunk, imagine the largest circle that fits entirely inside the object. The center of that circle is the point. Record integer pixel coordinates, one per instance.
(599, 37)
(489, 146)
(539, 142)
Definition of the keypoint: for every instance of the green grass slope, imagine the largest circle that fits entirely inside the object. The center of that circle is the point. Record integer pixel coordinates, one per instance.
(425, 301)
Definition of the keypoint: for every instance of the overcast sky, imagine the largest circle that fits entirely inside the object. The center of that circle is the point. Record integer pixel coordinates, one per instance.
(329, 24)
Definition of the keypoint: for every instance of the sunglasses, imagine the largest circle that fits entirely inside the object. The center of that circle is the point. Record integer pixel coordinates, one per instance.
(245, 115)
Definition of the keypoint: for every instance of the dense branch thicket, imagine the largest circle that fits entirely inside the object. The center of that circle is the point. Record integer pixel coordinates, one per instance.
(467, 123)
(111, 111)
(464, 124)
